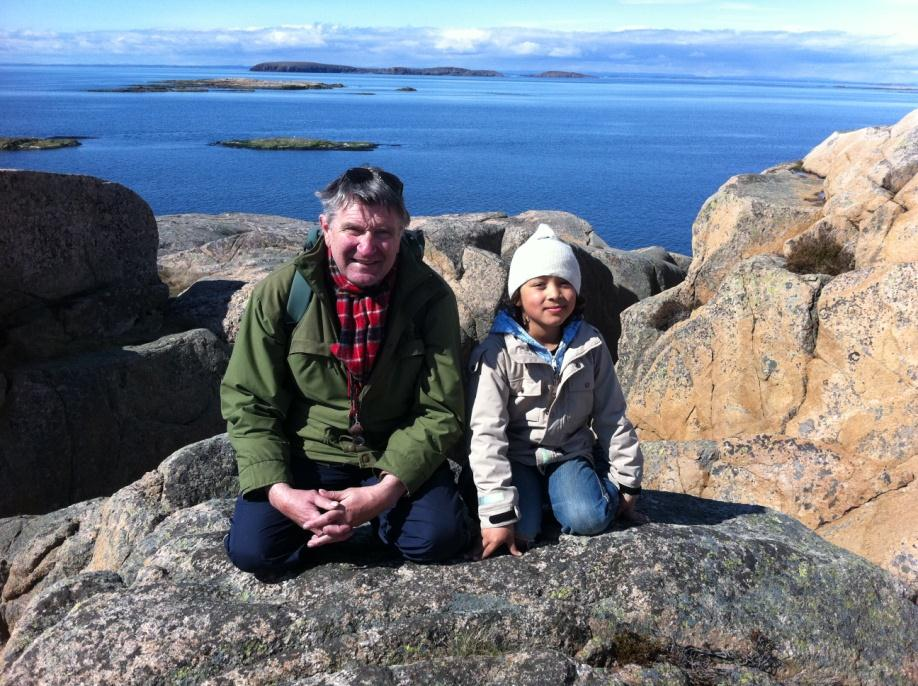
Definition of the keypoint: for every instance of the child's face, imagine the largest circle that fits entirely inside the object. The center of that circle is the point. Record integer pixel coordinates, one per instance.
(547, 302)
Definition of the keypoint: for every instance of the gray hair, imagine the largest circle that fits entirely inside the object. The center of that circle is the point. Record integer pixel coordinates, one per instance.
(367, 185)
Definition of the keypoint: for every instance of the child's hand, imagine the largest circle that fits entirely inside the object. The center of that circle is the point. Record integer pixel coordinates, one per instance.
(627, 512)
(494, 538)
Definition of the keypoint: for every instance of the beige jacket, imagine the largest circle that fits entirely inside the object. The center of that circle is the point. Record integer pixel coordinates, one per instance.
(520, 410)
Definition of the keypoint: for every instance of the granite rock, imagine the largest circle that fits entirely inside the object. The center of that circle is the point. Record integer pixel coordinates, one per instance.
(77, 266)
(83, 426)
(749, 215)
(870, 181)
(710, 592)
(797, 320)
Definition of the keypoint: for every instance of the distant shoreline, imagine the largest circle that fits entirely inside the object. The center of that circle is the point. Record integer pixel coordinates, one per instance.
(599, 75)
(321, 68)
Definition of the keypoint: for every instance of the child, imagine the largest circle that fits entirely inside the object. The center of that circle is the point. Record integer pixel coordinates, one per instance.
(547, 412)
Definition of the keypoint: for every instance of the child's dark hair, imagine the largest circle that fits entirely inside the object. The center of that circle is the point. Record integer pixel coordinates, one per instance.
(511, 305)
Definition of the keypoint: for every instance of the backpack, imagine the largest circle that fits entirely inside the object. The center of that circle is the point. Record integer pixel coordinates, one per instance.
(301, 292)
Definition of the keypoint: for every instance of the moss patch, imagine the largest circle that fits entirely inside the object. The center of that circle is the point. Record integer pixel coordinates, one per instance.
(819, 254)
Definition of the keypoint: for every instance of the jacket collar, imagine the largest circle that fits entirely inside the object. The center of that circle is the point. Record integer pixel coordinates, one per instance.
(583, 342)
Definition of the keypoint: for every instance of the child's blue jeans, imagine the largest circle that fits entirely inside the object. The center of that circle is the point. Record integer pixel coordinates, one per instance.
(582, 501)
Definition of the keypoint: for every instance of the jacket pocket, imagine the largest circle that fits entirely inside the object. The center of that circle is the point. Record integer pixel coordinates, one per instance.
(396, 389)
(308, 347)
(527, 398)
(314, 370)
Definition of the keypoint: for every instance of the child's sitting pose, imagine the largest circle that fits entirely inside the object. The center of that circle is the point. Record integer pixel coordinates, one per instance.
(547, 412)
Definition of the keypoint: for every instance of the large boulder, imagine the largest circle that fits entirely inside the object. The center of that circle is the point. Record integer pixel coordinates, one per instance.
(235, 246)
(92, 394)
(798, 320)
(211, 263)
(711, 592)
(77, 266)
(83, 426)
(737, 366)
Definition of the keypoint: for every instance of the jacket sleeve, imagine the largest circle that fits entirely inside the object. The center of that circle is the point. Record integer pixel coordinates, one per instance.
(254, 396)
(489, 395)
(615, 434)
(435, 423)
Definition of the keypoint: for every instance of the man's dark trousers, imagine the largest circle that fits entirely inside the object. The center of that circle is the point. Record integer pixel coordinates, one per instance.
(427, 526)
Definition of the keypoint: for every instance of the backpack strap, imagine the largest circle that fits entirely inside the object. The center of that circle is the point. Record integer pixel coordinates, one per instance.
(300, 291)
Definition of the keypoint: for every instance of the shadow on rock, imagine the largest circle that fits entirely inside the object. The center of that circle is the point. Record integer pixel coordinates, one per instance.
(678, 508)
(204, 304)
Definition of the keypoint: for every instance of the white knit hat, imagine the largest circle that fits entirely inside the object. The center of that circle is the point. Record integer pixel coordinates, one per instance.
(544, 254)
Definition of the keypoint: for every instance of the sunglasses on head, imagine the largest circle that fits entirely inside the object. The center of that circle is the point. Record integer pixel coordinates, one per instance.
(364, 174)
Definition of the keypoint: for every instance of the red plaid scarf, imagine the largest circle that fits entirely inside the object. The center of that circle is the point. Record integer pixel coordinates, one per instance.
(362, 315)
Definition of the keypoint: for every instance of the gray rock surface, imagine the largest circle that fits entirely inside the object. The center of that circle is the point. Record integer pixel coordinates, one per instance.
(235, 246)
(212, 262)
(91, 393)
(77, 266)
(216, 260)
(81, 427)
(710, 592)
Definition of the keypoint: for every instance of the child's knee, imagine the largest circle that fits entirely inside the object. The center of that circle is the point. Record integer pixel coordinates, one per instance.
(584, 518)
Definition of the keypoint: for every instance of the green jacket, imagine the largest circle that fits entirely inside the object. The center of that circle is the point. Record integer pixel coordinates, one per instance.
(284, 395)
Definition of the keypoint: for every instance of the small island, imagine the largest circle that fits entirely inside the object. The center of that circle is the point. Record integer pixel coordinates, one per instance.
(294, 143)
(560, 75)
(204, 85)
(13, 144)
(320, 68)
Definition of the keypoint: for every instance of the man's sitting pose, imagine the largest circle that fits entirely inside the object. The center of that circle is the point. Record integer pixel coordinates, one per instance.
(345, 415)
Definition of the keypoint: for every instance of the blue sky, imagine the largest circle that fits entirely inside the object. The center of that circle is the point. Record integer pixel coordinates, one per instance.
(861, 41)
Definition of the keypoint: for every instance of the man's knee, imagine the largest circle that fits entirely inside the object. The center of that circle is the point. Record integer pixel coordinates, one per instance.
(257, 556)
(434, 541)
(261, 540)
(245, 557)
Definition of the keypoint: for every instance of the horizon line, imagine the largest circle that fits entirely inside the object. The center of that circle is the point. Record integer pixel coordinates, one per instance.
(506, 73)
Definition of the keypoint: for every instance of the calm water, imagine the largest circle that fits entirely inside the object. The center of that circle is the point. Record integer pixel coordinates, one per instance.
(636, 158)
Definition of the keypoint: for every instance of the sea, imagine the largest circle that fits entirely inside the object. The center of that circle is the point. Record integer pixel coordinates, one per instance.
(636, 156)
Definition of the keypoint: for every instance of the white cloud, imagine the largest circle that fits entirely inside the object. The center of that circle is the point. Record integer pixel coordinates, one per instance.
(461, 40)
(568, 51)
(784, 54)
(527, 48)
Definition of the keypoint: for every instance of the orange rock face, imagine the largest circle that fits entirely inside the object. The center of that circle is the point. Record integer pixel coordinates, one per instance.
(794, 341)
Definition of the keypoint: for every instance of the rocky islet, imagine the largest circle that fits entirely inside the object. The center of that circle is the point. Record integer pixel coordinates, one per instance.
(227, 84)
(297, 143)
(18, 144)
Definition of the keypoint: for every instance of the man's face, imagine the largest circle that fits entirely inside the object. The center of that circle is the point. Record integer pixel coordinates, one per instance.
(364, 241)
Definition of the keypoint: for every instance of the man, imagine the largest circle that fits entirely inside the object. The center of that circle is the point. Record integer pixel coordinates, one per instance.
(347, 417)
